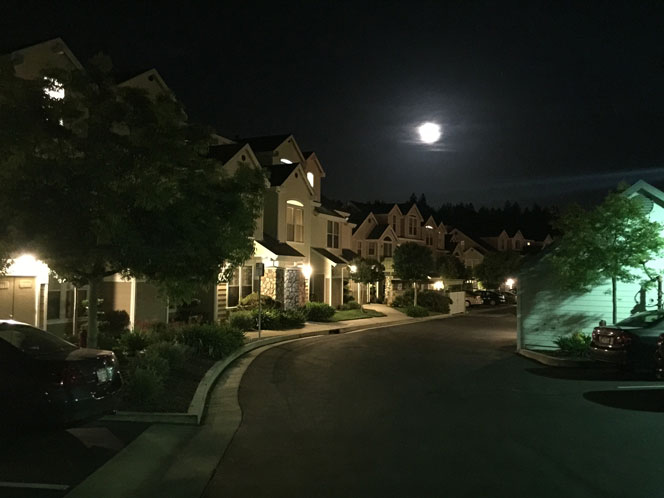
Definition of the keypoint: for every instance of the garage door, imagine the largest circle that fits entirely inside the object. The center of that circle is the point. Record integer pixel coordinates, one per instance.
(17, 299)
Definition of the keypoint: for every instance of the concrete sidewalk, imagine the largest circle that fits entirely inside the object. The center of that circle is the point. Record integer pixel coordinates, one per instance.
(178, 461)
(392, 316)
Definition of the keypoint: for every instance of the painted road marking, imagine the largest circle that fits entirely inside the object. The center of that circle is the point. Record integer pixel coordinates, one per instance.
(642, 387)
(34, 485)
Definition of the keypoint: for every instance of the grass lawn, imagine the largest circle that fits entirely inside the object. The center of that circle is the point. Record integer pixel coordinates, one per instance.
(355, 315)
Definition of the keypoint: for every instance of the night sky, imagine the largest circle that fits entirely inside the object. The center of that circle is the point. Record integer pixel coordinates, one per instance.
(543, 102)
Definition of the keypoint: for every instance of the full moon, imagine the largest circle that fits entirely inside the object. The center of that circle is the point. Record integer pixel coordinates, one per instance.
(429, 132)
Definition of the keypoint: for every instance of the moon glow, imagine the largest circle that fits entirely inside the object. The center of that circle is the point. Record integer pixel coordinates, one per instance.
(429, 132)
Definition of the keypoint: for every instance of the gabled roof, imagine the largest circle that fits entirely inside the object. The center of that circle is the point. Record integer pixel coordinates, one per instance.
(328, 255)
(58, 46)
(405, 207)
(279, 173)
(278, 248)
(311, 156)
(646, 190)
(226, 152)
(377, 231)
(329, 212)
(348, 255)
(266, 143)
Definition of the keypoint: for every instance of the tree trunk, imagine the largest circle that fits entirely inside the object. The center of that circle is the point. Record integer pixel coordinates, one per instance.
(615, 299)
(414, 293)
(92, 312)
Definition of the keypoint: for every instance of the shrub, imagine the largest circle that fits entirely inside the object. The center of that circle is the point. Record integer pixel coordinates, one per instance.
(117, 320)
(250, 302)
(429, 299)
(416, 311)
(575, 344)
(133, 341)
(351, 305)
(242, 320)
(174, 354)
(144, 387)
(212, 341)
(318, 312)
(275, 319)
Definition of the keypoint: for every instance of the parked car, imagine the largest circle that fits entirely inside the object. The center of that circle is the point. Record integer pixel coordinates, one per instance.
(631, 342)
(659, 357)
(473, 299)
(47, 381)
(492, 297)
(510, 297)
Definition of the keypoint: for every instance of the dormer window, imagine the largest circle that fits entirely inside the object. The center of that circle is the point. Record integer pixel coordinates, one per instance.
(412, 226)
(286, 161)
(310, 177)
(294, 221)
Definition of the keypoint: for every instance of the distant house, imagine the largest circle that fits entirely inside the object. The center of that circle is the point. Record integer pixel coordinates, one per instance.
(546, 311)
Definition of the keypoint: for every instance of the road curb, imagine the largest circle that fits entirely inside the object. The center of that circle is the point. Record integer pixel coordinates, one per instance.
(552, 361)
(196, 409)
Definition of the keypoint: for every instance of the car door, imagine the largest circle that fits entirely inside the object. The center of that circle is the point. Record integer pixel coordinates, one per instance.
(16, 382)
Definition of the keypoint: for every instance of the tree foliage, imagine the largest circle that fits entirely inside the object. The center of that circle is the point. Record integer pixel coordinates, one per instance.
(606, 243)
(497, 267)
(368, 271)
(413, 263)
(450, 267)
(112, 180)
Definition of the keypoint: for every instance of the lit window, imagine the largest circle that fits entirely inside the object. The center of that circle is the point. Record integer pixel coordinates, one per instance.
(333, 234)
(310, 177)
(286, 161)
(294, 224)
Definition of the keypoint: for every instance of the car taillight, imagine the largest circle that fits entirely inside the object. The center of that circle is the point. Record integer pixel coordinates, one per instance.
(71, 376)
(622, 339)
(595, 334)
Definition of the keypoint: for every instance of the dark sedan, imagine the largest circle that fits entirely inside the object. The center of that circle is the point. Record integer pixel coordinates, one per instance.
(491, 297)
(47, 381)
(631, 342)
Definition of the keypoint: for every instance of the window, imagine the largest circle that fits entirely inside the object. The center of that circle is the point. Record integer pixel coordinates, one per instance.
(359, 248)
(53, 308)
(387, 248)
(394, 223)
(517, 245)
(412, 226)
(428, 236)
(371, 249)
(240, 285)
(234, 289)
(294, 224)
(333, 234)
(247, 281)
(310, 177)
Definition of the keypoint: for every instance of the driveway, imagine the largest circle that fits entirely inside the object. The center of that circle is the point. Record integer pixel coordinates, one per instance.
(440, 408)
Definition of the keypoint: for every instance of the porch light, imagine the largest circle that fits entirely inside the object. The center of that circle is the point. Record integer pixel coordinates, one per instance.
(353, 268)
(509, 282)
(438, 285)
(306, 271)
(27, 265)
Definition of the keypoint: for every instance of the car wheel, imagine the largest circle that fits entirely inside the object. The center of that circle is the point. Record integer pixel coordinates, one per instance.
(467, 304)
(492, 302)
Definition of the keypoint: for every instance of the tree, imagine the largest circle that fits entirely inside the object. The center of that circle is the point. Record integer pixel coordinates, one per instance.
(110, 180)
(413, 263)
(607, 242)
(368, 271)
(451, 267)
(497, 267)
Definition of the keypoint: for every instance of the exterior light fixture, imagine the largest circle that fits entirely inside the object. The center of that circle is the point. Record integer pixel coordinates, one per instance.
(509, 282)
(438, 285)
(306, 271)
(353, 268)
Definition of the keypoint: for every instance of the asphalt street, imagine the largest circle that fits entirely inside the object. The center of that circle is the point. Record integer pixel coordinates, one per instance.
(439, 408)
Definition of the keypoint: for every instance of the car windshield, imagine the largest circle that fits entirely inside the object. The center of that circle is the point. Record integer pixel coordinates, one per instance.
(33, 341)
(643, 320)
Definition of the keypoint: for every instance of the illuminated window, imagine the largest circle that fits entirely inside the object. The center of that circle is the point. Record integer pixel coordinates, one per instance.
(310, 177)
(54, 89)
(333, 234)
(286, 161)
(294, 224)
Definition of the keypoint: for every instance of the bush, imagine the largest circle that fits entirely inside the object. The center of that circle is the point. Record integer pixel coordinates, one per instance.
(250, 302)
(134, 341)
(275, 319)
(429, 299)
(351, 305)
(212, 341)
(174, 354)
(318, 312)
(242, 320)
(116, 320)
(144, 387)
(575, 344)
(416, 311)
